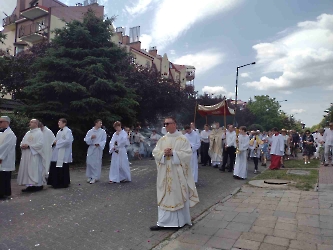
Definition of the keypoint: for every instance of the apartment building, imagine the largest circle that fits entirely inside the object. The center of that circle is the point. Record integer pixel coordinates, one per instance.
(178, 73)
(33, 20)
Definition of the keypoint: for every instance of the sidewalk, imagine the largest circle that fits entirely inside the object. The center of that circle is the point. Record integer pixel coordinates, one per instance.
(265, 219)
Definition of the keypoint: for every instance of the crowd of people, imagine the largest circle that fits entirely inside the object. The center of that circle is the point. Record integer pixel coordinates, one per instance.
(45, 158)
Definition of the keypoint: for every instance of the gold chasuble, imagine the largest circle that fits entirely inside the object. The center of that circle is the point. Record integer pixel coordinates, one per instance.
(215, 144)
(174, 175)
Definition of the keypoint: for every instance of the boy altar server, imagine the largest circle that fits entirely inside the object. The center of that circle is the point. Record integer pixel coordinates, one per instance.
(96, 139)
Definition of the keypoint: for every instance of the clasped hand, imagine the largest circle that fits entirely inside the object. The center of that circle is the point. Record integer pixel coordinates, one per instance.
(24, 146)
(168, 152)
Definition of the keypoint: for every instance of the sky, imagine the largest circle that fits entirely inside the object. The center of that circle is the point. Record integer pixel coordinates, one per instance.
(291, 42)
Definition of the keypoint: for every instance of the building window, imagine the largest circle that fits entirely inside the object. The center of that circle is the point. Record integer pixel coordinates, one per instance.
(19, 49)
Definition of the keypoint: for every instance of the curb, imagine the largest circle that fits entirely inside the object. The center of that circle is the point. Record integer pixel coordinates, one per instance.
(195, 221)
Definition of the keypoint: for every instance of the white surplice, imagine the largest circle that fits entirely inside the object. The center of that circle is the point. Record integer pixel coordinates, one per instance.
(176, 190)
(119, 169)
(62, 152)
(194, 140)
(48, 139)
(7, 150)
(95, 153)
(277, 147)
(31, 171)
(240, 169)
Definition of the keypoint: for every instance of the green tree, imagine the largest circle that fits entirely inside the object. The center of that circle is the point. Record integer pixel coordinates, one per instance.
(157, 96)
(266, 110)
(81, 78)
(2, 37)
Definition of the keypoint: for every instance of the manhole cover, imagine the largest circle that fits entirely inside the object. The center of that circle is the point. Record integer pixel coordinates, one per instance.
(276, 182)
(298, 172)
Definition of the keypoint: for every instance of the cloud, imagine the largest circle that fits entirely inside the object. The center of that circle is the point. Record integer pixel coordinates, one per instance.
(145, 41)
(139, 8)
(245, 75)
(300, 59)
(173, 17)
(297, 111)
(202, 61)
(217, 91)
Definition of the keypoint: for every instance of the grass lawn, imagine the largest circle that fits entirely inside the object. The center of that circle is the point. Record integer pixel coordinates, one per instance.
(300, 164)
(303, 182)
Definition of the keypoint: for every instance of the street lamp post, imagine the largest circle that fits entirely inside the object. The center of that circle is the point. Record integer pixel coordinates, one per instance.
(237, 89)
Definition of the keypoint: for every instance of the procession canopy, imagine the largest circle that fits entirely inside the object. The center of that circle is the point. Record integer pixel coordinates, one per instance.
(220, 108)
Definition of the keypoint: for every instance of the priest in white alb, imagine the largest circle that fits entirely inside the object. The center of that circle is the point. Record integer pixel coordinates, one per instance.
(176, 190)
(48, 140)
(32, 172)
(194, 139)
(119, 169)
(7, 156)
(215, 145)
(61, 157)
(240, 170)
(96, 139)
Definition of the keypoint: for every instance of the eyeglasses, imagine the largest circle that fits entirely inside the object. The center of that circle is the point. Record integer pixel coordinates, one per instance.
(167, 123)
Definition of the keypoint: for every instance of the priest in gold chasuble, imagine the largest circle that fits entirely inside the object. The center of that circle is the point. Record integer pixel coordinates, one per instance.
(176, 190)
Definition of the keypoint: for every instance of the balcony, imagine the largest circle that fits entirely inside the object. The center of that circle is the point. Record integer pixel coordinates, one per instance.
(9, 20)
(34, 32)
(35, 12)
(190, 73)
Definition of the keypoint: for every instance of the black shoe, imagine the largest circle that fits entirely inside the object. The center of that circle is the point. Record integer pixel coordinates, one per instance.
(282, 166)
(215, 166)
(204, 165)
(29, 189)
(222, 170)
(39, 188)
(155, 228)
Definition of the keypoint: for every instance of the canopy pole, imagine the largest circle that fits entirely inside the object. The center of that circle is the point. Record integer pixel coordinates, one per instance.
(195, 110)
(225, 116)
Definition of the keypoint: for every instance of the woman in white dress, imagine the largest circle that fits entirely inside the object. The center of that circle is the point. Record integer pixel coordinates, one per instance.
(119, 170)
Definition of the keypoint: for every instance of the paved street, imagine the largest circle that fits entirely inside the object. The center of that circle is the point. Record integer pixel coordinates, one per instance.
(264, 219)
(99, 216)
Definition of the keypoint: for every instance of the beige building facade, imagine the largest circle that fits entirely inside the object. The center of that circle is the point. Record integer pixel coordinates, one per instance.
(33, 20)
(151, 59)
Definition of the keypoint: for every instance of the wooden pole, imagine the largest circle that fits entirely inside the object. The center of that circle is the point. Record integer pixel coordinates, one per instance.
(225, 115)
(195, 110)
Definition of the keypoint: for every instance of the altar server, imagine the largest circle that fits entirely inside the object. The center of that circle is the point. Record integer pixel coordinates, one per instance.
(194, 139)
(48, 140)
(240, 171)
(61, 157)
(96, 139)
(119, 169)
